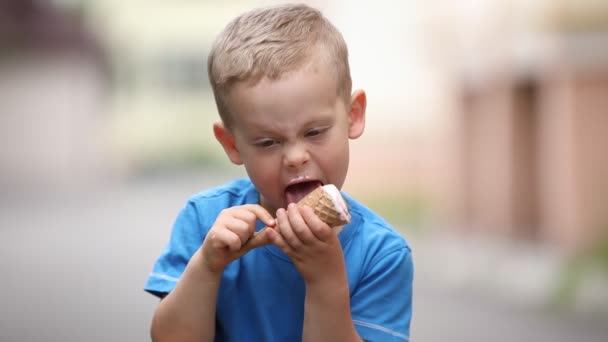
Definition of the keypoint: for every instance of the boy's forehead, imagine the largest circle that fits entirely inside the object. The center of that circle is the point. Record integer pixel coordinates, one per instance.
(295, 99)
(287, 125)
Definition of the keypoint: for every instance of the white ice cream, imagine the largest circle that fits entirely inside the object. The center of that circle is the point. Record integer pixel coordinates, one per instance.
(338, 200)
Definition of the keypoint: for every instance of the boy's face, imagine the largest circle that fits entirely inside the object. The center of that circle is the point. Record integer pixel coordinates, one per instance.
(292, 134)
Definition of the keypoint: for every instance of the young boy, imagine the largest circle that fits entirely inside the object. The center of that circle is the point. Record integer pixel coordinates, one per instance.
(282, 85)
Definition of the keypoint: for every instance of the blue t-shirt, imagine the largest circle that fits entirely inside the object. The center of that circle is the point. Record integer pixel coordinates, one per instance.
(261, 294)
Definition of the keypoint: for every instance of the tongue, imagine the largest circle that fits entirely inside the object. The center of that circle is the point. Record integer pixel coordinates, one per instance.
(294, 193)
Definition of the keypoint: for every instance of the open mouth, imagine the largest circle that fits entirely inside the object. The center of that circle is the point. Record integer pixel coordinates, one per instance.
(295, 192)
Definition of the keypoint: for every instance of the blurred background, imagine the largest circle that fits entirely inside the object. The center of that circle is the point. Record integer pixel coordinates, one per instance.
(485, 147)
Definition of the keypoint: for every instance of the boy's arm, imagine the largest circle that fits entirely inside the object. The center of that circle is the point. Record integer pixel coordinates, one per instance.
(316, 252)
(327, 315)
(187, 313)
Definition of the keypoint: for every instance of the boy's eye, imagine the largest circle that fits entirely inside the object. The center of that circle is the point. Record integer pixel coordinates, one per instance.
(265, 143)
(316, 131)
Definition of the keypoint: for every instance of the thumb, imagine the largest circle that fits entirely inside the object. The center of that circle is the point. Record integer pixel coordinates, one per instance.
(258, 239)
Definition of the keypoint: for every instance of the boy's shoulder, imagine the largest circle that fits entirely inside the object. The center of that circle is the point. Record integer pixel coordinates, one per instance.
(235, 188)
(236, 192)
(373, 229)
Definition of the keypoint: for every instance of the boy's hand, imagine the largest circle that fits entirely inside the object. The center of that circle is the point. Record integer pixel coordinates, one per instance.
(312, 245)
(232, 228)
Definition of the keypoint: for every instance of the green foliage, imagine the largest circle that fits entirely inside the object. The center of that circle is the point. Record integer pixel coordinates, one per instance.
(195, 156)
(574, 272)
(408, 210)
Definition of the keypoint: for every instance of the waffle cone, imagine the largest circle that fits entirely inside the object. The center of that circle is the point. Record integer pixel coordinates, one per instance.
(323, 206)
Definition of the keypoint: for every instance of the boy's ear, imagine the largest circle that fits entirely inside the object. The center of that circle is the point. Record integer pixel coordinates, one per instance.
(226, 139)
(356, 116)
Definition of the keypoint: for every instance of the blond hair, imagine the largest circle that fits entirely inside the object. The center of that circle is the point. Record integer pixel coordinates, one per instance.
(269, 42)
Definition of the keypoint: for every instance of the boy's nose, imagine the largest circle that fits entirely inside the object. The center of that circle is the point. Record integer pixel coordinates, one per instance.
(296, 156)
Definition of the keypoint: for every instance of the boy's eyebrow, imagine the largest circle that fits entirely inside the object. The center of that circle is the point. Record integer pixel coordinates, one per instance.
(314, 121)
(256, 129)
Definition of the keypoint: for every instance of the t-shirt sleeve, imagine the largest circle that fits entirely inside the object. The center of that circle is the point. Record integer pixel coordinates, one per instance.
(186, 238)
(381, 305)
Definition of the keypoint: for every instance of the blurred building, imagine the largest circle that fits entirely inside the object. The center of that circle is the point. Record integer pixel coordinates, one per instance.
(53, 79)
(162, 107)
(532, 136)
(509, 145)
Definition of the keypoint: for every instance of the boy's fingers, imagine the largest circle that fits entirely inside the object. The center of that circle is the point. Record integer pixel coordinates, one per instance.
(239, 227)
(298, 225)
(246, 216)
(261, 213)
(286, 231)
(318, 228)
(277, 239)
(258, 239)
(225, 238)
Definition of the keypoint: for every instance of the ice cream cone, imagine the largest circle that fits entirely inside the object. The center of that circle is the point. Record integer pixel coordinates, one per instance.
(330, 209)
(327, 203)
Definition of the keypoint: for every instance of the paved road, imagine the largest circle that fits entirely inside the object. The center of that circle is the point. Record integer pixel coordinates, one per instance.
(74, 266)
